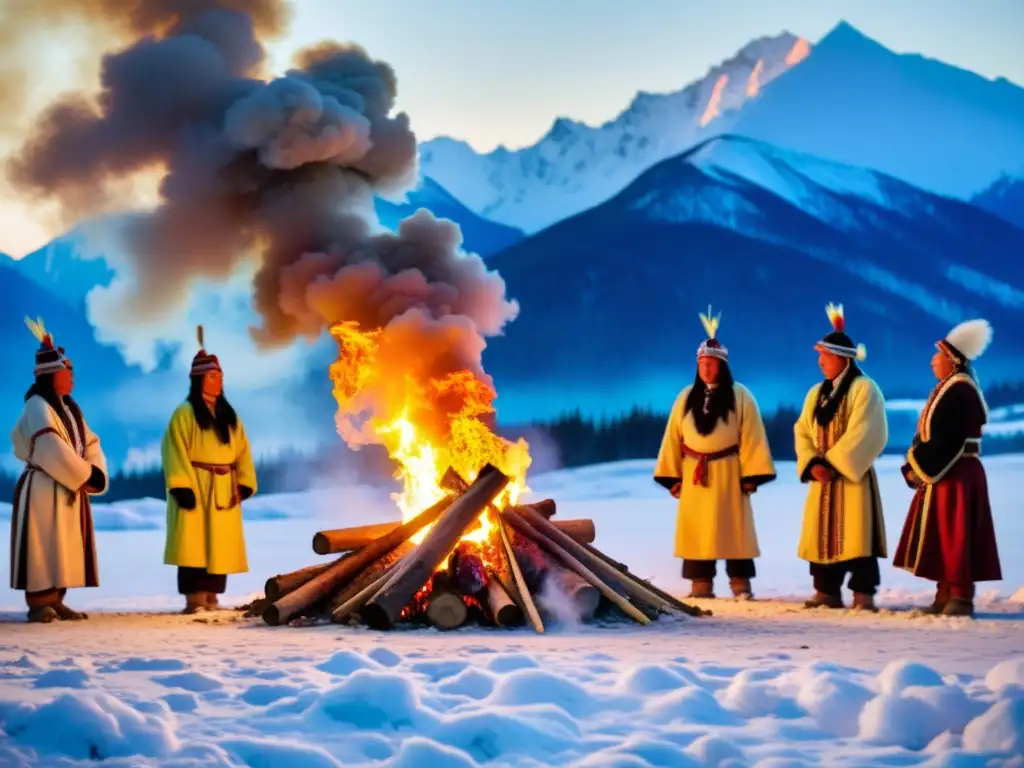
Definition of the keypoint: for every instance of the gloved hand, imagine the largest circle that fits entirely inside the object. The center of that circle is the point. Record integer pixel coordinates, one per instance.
(96, 482)
(244, 492)
(185, 497)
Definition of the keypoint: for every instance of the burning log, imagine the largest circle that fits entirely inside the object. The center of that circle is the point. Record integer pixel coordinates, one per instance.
(466, 570)
(634, 589)
(503, 609)
(344, 539)
(581, 530)
(280, 585)
(585, 598)
(348, 601)
(508, 570)
(336, 540)
(445, 608)
(341, 572)
(532, 562)
(545, 507)
(623, 569)
(383, 609)
(528, 606)
(518, 520)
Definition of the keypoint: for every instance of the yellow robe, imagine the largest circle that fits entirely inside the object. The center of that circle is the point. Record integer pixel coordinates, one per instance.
(209, 536)
(52, 535)
(843, 518)
(716, 521)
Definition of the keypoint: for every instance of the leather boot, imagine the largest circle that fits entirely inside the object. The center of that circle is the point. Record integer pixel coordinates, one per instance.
(211, 601)
(959, 606)
(941, 598)
(702, 588)
(194, 603)
(68, 614)
(821, 600)
(741, 589)
(864, 602)
(41, 614)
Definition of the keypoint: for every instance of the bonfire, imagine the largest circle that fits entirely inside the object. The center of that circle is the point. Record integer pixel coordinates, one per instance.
(466, 549)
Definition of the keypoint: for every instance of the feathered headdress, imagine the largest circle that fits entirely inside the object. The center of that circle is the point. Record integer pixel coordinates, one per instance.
(711, 346)
(49, 359)
(39, 331)
(967, 341)
(836, 317)
(838, 341)
(203, 361)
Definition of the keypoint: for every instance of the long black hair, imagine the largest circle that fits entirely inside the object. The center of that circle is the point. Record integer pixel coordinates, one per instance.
(44, 388)
(223, 419)
(721, 403)
(828, 401)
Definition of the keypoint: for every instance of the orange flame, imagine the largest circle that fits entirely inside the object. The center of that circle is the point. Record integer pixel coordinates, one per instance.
(754, 83)
(801, 50)
(426, 424)
(711, 112)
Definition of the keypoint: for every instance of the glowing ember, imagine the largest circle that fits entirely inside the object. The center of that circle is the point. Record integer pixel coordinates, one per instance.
(801, 50)
(427, 423)
(754, 83)
(712, 110)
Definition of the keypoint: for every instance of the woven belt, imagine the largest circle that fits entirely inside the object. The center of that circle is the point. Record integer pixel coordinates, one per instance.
(700, 474)
(222, 469)
(972, 446)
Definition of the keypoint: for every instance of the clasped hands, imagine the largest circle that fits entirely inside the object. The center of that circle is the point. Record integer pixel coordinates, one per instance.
(821, 473)
(748, 488)
(186, 498)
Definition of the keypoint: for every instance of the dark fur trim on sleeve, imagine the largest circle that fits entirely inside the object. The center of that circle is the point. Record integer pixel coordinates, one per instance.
(97, 480)
(958, 415)
(668, 482)
(757, 480)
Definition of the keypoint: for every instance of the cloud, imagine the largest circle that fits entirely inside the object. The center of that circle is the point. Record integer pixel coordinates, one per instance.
(141, 459)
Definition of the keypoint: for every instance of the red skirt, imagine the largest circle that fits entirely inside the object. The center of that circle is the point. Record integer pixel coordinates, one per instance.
(948, 535)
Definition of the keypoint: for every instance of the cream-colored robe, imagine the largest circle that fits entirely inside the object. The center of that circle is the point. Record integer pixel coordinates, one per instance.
(209, 536)
(841, 517)
(716, 521)
(52, 537)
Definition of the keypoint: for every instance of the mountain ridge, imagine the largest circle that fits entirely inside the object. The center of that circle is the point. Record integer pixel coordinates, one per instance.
(618, 277)
(584, 165)
(846, 73)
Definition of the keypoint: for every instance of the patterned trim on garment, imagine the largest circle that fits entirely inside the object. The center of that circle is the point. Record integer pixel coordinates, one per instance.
(933, 479)
(925, 511)
(831, 504)
(924, 422)
(36, 436)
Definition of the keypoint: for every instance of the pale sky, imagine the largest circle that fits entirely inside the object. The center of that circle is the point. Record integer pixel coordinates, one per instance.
(500, 71)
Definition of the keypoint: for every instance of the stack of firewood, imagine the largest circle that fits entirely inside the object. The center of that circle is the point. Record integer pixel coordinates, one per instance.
(382, 578)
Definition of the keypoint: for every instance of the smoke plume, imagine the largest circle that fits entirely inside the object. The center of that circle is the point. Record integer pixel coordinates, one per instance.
(280, 171)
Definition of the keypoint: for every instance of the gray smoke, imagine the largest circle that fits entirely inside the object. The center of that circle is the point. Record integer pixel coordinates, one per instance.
(281, 172)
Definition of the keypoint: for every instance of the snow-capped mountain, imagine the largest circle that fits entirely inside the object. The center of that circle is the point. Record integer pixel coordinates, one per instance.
(854, 101)
(479, 235)
(576, 166)
(615, 318)
(1005, 198)
(59, 268)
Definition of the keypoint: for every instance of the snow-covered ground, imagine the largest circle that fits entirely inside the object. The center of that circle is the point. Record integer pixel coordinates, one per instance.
(759, 684)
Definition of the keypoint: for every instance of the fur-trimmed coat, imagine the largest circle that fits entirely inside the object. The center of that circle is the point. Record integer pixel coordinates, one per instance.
(52, 541)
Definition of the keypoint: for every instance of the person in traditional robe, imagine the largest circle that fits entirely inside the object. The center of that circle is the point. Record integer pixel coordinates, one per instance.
(713, 456)
(208, 473)
(53, 547)
(949, 536)
(841, 432)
